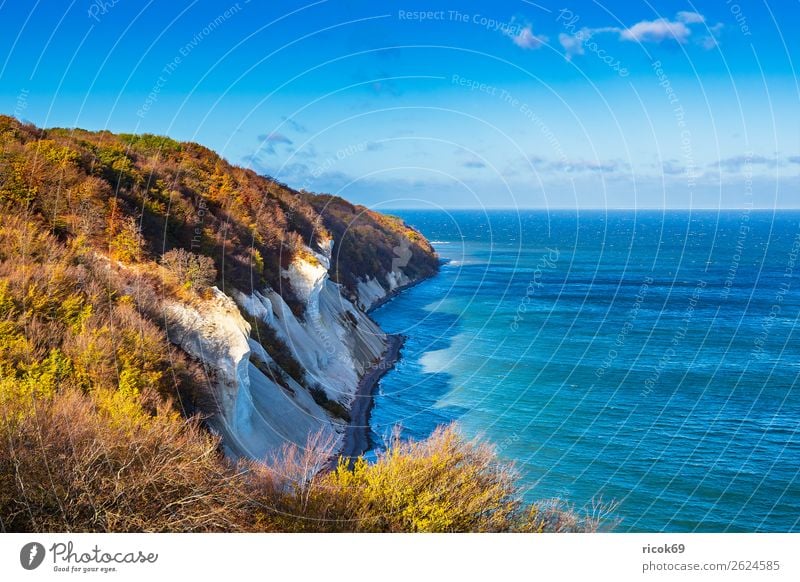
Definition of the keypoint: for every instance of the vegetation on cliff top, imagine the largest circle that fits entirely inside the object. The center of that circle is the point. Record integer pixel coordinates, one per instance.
(141, 196)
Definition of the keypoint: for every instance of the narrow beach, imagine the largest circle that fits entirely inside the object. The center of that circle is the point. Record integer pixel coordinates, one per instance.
(356, 436)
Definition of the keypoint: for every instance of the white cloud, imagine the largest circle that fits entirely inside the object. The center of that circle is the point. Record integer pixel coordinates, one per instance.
(711, 41)
(573, 45)
(527, 40)
(657, 31)
(473, 164)
(690, 17)
(673, 168)
(294, 124)
(678, 29)
(575, 165)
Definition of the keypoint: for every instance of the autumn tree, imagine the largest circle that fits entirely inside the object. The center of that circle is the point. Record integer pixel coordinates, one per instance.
(193, 271)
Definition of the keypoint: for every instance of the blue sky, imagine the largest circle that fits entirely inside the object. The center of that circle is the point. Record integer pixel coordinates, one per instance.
(437, 104)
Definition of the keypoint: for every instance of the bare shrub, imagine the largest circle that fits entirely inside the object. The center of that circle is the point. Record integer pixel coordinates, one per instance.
(66, 465)
(191, 270)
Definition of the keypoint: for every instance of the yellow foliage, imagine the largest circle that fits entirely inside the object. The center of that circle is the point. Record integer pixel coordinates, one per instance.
(74, 311)
(48, 373)
(126, 300)
(6, 300)
(77, 464)
(126, 245)
(14, 346)
(55, 155)
(442, 484)
(39, 381)
(122, 407)
(258, 262)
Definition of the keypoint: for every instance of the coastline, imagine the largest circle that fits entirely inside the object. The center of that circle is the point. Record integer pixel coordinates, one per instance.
(392, 294)
(356, 436)
(356, 439)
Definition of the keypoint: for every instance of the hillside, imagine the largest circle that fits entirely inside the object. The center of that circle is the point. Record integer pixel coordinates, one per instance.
(135, 265)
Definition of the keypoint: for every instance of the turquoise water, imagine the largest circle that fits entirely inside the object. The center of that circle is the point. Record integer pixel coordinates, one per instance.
(651, 359)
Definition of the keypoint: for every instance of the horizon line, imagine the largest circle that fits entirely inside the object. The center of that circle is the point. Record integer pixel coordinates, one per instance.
(378, 208)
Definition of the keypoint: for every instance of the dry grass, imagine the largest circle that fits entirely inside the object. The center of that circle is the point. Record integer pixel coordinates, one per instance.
(67, 465)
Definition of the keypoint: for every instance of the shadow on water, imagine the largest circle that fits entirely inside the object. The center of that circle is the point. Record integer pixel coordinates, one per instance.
(408, 395)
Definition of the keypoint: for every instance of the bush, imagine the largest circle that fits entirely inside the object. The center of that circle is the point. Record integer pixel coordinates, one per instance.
(150, 144)
(127, 242)
(442, 484)
(68, 466)
(193, 271)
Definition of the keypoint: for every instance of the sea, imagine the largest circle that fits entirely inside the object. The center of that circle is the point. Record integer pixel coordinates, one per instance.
(641, 362)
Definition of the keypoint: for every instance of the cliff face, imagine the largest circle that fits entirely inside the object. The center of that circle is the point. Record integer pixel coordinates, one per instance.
(377, 254)
(258, 405)
(262, 289)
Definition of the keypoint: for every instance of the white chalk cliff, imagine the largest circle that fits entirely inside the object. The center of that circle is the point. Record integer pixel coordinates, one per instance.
(371, 291)
(259, 407)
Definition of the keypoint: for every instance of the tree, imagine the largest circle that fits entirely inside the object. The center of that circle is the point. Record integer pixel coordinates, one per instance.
(193, 271)
(126, 245)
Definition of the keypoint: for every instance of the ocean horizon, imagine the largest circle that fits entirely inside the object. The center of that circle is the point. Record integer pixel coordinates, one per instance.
(644, 358)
